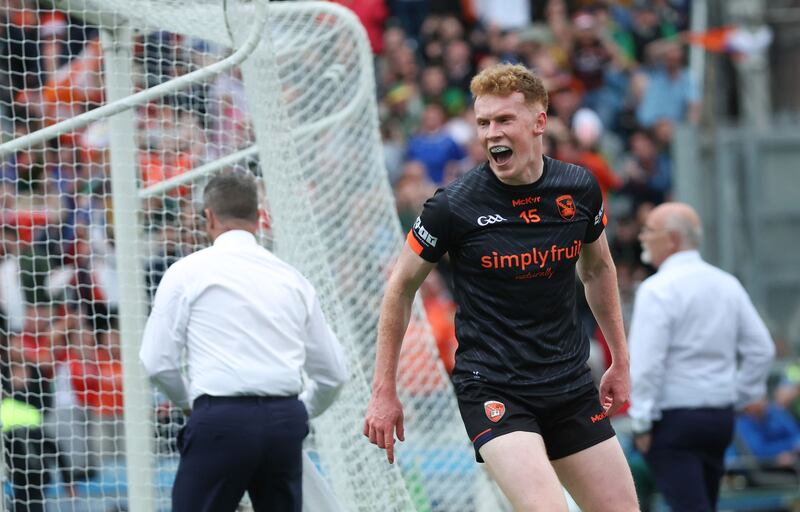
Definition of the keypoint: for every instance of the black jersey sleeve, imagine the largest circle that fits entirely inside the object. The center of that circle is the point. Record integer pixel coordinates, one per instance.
(429, 237)
(597, 215)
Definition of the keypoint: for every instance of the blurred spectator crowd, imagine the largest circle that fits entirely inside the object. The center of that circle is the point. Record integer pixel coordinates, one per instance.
(617, 77)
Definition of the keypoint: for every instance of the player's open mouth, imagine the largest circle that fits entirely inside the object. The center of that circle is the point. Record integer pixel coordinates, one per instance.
(501, 154)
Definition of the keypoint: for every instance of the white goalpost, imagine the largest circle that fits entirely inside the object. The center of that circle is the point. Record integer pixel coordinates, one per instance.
(109, 139)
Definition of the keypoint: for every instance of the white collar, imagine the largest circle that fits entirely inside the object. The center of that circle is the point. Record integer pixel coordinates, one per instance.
(235, 237)
(680, 258)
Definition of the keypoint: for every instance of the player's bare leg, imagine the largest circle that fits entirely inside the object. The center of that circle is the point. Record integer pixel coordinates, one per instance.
(518, 463)
(599, 478)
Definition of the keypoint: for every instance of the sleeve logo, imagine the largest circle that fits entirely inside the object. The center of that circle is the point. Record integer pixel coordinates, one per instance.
(599, 217)
(423, 234)
(485, 220)
(566, 206)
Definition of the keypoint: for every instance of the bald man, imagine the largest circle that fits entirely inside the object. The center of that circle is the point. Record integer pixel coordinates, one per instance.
(699, 350)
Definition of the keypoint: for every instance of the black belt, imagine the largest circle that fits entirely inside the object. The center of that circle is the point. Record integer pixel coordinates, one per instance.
(209, 399)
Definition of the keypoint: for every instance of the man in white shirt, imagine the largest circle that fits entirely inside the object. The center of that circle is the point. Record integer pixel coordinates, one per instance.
(248, 325)
(12, 294)
(698, 350)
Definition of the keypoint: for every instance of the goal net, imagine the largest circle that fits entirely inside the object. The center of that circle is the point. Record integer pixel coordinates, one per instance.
(114, 115)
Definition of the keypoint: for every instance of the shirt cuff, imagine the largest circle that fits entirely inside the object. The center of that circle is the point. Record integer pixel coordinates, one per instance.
(318, 397)
(172, 384)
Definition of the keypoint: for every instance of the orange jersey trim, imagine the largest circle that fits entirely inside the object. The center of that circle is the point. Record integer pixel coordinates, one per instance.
(414, 243)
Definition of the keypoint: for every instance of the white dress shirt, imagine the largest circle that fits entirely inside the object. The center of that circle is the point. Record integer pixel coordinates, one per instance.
(695, 341)
(248, 323)
(12, 297)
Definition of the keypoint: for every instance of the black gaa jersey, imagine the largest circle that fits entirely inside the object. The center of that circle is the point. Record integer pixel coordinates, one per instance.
(513, 251)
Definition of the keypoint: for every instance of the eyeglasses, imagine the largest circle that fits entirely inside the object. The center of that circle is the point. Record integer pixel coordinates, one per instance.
(647, 230)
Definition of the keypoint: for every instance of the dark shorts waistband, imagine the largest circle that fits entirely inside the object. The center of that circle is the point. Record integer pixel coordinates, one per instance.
(209, 399)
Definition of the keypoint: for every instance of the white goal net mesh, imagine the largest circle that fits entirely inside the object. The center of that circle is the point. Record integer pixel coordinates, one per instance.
(299, 112)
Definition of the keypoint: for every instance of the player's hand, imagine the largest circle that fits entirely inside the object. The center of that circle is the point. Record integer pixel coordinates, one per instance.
(384, 415)
(615, 388)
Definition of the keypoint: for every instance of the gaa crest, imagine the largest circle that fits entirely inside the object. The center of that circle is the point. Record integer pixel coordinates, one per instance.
(494, 410)
(566, 206)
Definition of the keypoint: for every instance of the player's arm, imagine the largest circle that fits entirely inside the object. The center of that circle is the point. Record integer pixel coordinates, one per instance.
(650, 334)
(325, 362)
(385, 413)
(599, 276)
(756, 352)
(165, 338)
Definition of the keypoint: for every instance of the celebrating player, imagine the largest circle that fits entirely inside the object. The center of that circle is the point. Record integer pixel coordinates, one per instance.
(516, 229)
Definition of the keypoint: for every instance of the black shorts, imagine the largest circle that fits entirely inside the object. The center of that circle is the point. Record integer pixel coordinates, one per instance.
(568, 423)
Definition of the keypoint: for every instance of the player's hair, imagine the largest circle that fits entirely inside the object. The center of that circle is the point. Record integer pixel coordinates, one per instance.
(232, 195)
(506, 79)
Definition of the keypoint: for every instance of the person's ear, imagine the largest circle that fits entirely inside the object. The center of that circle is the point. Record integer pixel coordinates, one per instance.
(264, 219)
(676, 240)
(540, 123)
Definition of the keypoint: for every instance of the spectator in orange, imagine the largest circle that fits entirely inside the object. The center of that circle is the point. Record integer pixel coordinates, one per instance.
(160, 166)
(441, 311)
(110, 367)
(418, 373)
(39, 342)
(170, 144)
(96, 373)
(75, 86)
(25, 222)
(568, 150)
(83, 359)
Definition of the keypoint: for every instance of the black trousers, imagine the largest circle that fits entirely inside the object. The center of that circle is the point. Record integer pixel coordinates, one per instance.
(686, 456)
(235, 444)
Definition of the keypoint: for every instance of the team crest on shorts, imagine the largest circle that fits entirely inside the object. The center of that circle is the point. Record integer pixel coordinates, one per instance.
(494, 410)
(566, 206)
